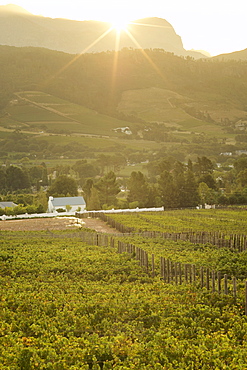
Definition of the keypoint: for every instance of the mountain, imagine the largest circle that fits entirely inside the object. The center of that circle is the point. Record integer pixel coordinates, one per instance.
(237, 55)
(21, 28)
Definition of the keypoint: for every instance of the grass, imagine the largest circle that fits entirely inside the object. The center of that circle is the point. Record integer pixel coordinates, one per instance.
(88, 121)
(29, 113)
(150, 104)
(165, 106)
(153, 104)
(102, 143)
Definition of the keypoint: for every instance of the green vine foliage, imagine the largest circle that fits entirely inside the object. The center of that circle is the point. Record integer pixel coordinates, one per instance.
(68, 305)
(228, 221)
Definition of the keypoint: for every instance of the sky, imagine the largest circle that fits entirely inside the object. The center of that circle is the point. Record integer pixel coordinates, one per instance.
(216, 26)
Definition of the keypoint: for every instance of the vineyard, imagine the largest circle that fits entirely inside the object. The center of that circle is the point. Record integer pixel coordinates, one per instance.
(213, 220)
(143, 299)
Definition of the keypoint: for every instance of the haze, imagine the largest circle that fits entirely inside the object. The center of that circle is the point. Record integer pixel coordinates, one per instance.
(214, 26)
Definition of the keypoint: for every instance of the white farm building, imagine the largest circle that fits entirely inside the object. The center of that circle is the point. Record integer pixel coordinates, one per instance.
(70, 204)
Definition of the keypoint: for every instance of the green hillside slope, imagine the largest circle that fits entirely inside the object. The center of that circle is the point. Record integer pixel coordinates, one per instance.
(159, 96)
(40, 112)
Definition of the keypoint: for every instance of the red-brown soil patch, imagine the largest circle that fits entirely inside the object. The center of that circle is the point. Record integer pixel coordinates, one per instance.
(56, 223)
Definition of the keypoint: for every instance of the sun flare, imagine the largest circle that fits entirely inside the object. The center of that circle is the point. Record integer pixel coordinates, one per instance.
(120, 25)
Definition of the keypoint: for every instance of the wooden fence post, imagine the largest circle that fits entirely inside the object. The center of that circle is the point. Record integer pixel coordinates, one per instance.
(162, 267)
(186, 273)
(202, 276)
(193, 273)
(213, 281)
(234, 289)
(245, 308)
(168, 270)
(225, 284)
(245, 298)
(190, 273)
(180, 273)
(142, 257)
(207, 279)
(219, 281)
(171, 271)
(153, 267)
(146, 261)
(176, 273)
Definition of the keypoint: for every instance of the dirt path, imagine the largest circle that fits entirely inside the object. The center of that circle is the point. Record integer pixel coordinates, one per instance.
(56, 223)
(99, 226)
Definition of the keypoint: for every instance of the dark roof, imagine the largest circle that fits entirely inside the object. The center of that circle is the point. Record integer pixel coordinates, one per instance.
(64, 201)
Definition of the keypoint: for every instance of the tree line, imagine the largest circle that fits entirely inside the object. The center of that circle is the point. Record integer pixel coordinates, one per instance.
(168, 183)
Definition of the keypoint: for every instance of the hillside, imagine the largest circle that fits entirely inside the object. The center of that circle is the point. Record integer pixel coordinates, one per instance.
(21, 28)
(39, 112)
(237, 55)
(208, 91)
(133, 99)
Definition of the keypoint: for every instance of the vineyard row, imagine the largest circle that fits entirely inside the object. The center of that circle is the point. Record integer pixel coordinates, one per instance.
(169, 271)
(237, 242)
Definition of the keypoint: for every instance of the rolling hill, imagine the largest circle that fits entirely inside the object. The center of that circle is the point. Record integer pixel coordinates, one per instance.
(161, 97)
(237, 55)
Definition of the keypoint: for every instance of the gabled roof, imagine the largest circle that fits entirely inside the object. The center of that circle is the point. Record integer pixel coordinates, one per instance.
(65, 201)
(7, 204)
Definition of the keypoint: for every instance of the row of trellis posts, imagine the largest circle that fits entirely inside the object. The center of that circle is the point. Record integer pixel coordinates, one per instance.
(237, 242)
(170, 271)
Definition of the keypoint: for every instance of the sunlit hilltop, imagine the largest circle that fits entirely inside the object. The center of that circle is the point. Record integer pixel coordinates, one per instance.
(20, 28)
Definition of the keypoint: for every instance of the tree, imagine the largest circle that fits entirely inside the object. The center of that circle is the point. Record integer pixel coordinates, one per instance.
(206, 194)
(87, 188)
(191, 197)
(93, 202)
(209, 180)
(16, 179)
(2, 180)
(41, 198)
(203, 166)
(85, 170)
(138, 189)
(44, 178)
(240, 164)
(168, 191)
(103, 162)
(117, 162)
(108, 189)
(36, 174)
(179, 188)
(63, 186)
(242, 177)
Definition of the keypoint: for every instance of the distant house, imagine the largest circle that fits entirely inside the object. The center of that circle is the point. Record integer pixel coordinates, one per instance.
(7, 205)
(70, 204)
(124, 130)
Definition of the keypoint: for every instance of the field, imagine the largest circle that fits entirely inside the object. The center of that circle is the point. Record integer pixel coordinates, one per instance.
(165, 106)
(227, 221)
(68, 303)
(43, 112)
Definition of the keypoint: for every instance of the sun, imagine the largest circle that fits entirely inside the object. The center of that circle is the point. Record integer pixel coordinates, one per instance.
(120, 24)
